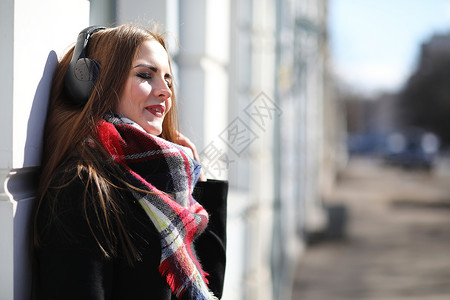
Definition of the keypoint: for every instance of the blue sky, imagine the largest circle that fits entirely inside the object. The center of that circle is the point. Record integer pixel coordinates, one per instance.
(375, 43)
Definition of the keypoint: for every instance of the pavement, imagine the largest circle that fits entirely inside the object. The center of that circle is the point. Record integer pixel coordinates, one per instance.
(397, 238)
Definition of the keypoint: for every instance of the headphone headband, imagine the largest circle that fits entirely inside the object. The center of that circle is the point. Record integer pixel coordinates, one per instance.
(82, 73)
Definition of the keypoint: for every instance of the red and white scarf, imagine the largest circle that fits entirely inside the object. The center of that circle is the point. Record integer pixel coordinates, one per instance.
(167, 174)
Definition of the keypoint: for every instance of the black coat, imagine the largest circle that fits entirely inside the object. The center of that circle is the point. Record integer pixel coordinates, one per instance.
(70, 264)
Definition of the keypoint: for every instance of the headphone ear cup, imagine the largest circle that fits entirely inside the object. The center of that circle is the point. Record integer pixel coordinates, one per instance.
(82, 72)
(80, 80)
(87, 69)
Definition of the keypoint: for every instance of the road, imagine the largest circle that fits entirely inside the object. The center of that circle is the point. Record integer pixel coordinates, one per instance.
(397, 243)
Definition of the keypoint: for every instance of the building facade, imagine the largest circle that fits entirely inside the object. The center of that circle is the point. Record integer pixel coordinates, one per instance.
(254, 96)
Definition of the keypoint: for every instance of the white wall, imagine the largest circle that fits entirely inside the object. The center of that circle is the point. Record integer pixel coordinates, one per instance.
(33, 34)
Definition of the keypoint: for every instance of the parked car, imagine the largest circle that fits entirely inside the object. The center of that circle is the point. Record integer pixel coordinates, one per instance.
(412, 149)
(363, 144)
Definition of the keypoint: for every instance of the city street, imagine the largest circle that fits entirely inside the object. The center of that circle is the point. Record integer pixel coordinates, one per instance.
(397, 243)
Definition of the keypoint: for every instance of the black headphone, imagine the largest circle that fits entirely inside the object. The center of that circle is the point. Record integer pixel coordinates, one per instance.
(83, 71)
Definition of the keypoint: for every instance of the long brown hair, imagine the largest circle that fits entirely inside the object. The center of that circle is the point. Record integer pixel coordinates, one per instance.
(68, 126)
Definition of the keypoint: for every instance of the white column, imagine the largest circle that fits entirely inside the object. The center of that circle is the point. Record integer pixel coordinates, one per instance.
(149, 12)
(33, 34)
(203, 61)
(240, 76)
(261, 152)
(103, 12)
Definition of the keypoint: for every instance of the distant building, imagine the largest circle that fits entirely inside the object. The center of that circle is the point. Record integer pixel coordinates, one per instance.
(433, 51)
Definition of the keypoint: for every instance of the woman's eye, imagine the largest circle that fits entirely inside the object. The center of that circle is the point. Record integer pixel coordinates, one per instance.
(147, 76)
(144, 76)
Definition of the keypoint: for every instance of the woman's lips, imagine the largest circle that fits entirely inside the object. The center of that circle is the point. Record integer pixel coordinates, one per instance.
(157, 110)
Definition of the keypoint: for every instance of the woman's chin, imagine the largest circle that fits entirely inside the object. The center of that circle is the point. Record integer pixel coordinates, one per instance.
(154, 130)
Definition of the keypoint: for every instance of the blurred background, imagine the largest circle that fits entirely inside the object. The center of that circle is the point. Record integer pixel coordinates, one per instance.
(328, 117)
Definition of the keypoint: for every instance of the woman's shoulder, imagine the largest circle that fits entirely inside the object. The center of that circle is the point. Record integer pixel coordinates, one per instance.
(76, 202)
(67, 175)
(206, 191)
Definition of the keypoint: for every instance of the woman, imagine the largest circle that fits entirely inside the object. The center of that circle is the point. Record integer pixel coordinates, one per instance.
(117, 213)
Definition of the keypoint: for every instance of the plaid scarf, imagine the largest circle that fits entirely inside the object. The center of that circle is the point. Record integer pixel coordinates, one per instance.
(163, 176)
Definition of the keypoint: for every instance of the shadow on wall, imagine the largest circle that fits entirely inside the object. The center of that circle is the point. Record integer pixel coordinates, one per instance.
(21, 184)
(38, 114)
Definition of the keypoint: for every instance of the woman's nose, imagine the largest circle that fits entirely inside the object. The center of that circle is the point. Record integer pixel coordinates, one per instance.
(163, 90)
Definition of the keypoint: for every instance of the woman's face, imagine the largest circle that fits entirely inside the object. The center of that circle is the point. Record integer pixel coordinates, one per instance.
(146, 97)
